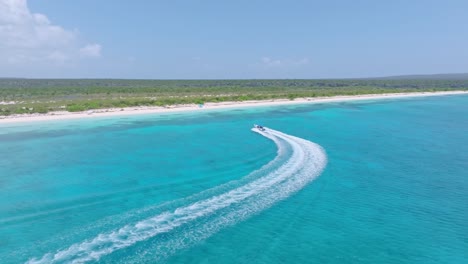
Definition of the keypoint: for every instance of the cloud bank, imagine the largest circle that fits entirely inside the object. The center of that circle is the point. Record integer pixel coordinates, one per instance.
(28, 38)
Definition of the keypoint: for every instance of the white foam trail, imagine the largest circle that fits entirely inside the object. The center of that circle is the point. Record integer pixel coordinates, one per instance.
(306, 163)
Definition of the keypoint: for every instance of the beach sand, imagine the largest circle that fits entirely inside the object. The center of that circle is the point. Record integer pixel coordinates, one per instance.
(64, 115)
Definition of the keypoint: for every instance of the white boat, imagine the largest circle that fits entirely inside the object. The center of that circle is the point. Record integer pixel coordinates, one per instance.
(259, 127)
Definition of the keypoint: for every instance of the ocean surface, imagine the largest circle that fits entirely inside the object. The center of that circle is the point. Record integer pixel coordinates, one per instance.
(383, 181)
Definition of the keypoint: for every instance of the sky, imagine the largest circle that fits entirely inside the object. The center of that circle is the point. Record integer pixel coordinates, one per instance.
(208, 39)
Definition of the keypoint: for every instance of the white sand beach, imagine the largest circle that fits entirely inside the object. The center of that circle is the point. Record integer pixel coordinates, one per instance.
(64, 115)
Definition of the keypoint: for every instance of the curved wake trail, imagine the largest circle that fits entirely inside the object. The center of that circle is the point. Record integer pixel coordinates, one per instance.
(275, 181)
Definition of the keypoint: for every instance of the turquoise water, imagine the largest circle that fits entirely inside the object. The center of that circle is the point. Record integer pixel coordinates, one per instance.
(389, 186)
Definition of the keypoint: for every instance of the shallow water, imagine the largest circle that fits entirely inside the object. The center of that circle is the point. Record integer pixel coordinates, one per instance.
(146, 188)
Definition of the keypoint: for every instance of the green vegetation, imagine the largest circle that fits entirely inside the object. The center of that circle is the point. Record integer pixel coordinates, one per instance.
(44, 95)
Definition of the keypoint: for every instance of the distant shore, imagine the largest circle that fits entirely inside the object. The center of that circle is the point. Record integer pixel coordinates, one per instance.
(64, 115)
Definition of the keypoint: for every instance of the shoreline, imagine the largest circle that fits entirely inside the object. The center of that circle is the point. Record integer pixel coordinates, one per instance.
(139, 110)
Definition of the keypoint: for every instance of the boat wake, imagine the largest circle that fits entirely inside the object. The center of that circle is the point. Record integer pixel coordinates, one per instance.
(195, 218)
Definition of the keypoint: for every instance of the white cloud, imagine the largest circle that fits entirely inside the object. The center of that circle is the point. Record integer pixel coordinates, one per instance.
(58, 57)
(302, 61)
(27, 37)
(269, 62)
(284, 67)
(276, 63)
(91, 50)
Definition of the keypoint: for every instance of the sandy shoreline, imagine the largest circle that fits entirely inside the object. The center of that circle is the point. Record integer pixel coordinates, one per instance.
(64, 115)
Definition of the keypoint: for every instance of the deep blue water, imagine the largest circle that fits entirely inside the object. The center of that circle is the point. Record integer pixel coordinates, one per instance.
(394, 189)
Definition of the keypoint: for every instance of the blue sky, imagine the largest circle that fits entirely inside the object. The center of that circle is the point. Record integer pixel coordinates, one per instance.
(235, 39)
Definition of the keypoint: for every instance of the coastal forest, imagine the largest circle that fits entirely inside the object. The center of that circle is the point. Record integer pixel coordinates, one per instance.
(28, 96)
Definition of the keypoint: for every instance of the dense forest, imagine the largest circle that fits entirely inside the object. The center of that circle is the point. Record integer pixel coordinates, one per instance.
(19, 96)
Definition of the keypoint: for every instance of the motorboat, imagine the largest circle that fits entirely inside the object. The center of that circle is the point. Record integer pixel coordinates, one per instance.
(259, 127)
